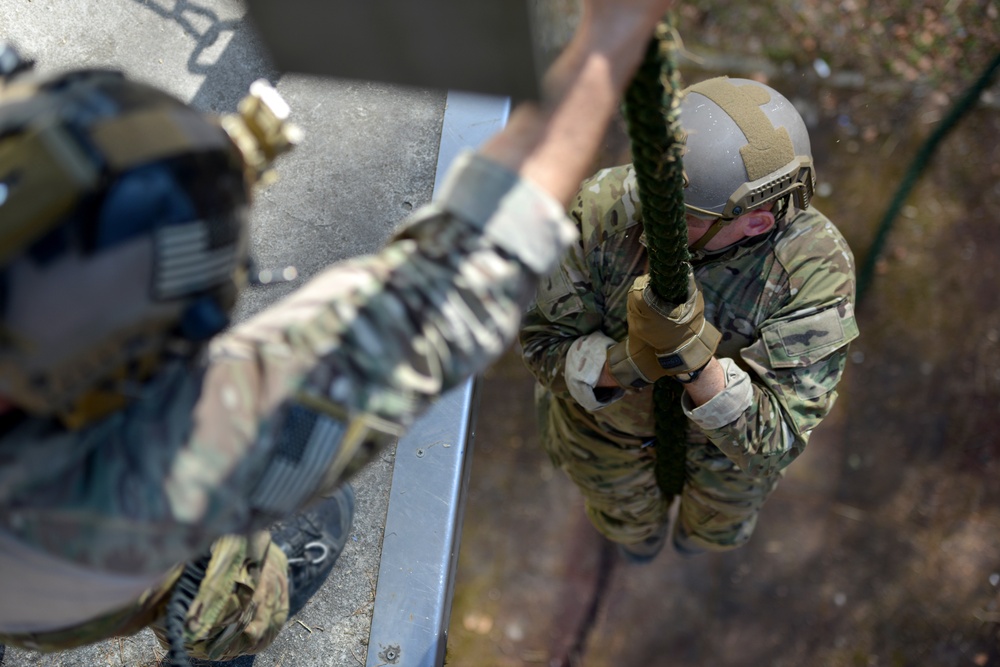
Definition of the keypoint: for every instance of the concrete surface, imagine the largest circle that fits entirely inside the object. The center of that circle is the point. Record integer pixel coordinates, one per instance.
(368, 159)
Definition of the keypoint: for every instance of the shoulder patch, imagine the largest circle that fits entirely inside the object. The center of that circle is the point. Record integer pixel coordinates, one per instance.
(806, 340)
(556, 299)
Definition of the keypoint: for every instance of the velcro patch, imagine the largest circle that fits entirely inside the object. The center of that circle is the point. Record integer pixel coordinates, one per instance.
(768, 148)
(806, 340)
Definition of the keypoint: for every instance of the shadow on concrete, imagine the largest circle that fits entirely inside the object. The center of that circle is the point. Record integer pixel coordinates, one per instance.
(227, 79)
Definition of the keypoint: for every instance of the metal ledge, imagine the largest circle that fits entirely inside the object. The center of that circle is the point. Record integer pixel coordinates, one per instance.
(427, 500)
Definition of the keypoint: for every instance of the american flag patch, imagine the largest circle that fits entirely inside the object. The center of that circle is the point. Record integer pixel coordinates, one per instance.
(188, 262)
(307, 445)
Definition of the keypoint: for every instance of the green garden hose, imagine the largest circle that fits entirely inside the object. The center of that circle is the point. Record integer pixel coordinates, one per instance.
(923, 157)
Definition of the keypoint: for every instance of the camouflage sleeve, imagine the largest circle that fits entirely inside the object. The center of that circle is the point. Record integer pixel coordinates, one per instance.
(563, 312)
(372, 342)
(290, 401)
(795, 362)
(585, 295)
(387, 334)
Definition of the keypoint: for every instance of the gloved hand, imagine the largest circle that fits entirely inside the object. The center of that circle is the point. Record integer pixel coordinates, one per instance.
(664, 339)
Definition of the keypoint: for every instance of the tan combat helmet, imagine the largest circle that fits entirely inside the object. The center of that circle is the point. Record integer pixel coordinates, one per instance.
(123, 235)
(745, 146)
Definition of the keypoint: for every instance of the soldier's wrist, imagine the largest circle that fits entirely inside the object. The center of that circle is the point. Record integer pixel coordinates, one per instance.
(607, 380)
(692, 375)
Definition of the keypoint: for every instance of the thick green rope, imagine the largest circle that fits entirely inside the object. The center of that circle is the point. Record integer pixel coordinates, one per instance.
(652, 111)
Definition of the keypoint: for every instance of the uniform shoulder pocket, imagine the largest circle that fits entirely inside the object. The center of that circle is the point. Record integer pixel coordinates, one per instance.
(805, 340)
(556, 297)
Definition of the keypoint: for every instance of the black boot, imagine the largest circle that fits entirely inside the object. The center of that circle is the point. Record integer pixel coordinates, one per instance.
(646, 550)
(313, 540)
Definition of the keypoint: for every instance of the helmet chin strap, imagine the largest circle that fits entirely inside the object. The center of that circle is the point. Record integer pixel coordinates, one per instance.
(717, 226)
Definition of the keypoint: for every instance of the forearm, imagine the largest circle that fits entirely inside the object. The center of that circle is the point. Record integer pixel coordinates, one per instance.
(748, 424)
(708, 384)
(544, 345)
(745, 421)
(386, 334)
(553, 143)
(762, 420)
(704, 388)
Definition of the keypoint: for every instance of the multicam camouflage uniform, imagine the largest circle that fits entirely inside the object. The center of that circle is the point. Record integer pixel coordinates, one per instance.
(288, 405)
(784, 306)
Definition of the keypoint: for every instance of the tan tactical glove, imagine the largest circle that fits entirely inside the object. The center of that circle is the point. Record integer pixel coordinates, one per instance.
(664, 339)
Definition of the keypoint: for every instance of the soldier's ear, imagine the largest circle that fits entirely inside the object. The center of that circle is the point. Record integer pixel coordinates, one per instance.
(758, 221)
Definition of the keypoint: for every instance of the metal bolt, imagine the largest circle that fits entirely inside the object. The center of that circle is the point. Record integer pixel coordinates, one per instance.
(391, 654)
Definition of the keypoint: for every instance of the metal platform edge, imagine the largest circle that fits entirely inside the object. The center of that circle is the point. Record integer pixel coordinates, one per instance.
(430, 477)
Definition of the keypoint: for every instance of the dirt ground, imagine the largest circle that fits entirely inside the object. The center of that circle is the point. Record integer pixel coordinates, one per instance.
(882, 545)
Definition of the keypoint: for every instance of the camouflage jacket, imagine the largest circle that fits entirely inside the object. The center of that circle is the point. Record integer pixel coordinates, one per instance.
(784, 306)
(288, 402)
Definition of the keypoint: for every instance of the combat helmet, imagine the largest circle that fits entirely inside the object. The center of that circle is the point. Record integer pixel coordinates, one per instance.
(123, 233)
(745, 146)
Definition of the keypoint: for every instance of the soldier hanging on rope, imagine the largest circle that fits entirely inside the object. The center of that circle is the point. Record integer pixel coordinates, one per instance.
(756, 341)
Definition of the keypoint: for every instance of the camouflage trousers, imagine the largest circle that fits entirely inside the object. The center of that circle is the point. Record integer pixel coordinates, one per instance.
(615, 471)
(239, 608)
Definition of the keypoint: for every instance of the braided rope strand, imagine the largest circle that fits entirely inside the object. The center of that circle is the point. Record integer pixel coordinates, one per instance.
(652, 112)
